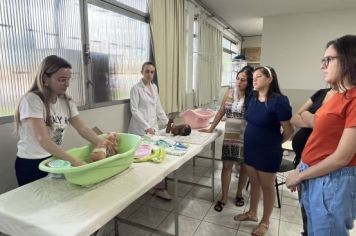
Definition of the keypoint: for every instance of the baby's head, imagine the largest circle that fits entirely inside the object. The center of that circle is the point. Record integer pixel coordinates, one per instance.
(185, 130)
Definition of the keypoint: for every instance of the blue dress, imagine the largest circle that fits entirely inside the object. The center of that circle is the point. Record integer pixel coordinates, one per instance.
(263, 138)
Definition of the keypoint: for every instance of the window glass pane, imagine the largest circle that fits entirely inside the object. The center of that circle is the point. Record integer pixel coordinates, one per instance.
(234, 48)
(119, 45)
(226, 73)
(137, 4)
(29, 31)
(195, 53)
(226, 43)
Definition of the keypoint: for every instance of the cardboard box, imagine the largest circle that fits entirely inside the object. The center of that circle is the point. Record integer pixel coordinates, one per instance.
(253, 54)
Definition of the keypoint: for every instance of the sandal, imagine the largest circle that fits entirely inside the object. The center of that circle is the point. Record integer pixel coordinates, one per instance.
(219, 206)
(239, 201)
(261, 229)
(245, 217)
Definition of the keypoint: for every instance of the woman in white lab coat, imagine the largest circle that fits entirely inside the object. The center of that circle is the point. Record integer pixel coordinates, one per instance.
(147, 113)
(145, 105)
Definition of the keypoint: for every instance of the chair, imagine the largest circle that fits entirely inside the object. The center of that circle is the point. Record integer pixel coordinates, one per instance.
(286, 166)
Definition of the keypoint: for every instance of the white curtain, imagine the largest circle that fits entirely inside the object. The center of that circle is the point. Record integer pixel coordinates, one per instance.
(209, 64)
(168, 36)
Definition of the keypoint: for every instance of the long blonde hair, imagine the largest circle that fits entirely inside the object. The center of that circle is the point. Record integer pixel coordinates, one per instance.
(47, 68)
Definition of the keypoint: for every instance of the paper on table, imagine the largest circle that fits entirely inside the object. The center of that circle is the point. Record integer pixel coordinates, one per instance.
(195, 137)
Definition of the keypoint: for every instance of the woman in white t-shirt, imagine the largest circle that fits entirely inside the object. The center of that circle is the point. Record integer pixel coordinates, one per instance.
(42, 116)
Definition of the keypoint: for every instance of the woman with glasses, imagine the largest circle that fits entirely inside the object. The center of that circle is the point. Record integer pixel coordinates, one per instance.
(327, 171)
(304, 119)
(147, 112)
(41, 119)
(267, 112)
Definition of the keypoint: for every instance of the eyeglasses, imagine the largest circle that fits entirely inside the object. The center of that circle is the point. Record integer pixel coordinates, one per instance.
(326, 60)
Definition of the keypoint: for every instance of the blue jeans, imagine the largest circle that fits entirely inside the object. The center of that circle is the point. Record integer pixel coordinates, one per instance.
(330, 202)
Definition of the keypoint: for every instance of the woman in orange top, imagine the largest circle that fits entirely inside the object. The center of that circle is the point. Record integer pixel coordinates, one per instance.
(328, 168)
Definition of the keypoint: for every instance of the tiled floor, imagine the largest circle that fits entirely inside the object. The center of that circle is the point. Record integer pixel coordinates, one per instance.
(196, 212)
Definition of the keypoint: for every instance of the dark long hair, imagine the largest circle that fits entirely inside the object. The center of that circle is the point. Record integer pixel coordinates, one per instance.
(248, 70)
(273, 88)
(346, 52)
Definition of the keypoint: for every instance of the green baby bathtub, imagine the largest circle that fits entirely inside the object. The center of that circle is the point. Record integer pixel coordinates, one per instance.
(95, 172)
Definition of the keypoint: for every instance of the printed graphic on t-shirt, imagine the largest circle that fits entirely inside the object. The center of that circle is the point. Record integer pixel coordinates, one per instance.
(58, 136)
(235, 111)
(59, 123)
(234, 106)
(56, 119)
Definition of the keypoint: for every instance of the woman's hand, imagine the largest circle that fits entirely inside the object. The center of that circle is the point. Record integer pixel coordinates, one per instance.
(77, 162)
(109, 145)
(293, 180)
(150, 131)
(206, 130)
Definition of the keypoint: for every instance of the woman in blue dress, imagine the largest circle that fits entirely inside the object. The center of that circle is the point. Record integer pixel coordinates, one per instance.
(268, 110)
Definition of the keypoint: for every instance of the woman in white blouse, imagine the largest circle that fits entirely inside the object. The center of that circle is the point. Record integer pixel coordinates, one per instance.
(147, 112)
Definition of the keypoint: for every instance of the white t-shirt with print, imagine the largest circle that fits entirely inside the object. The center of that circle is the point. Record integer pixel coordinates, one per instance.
(31, 106)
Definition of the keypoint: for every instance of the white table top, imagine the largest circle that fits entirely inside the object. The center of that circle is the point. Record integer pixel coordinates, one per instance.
(56, 207)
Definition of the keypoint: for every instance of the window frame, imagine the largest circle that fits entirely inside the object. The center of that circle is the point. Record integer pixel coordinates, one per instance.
(113, 6)
(229, 51)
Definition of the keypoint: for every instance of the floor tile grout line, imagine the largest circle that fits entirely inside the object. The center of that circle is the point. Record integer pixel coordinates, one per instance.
(195, 231)
(164, 218)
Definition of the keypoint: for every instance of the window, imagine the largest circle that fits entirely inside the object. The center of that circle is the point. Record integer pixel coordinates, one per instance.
(230, 50)
(26, 40)
(118, 38)
(140, 5)
(119, 45)
(195, 52)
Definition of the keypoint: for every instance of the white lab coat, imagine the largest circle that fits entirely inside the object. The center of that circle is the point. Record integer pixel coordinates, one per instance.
(146, 109)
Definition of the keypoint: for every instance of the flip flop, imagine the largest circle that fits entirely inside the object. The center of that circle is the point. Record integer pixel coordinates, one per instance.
(239, 201)
(261, 229)
(245, 217)
(219, 206)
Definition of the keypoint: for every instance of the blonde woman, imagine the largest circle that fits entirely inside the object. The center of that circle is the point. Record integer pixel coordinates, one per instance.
(42, 116)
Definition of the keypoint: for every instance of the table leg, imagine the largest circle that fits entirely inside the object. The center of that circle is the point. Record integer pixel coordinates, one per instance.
(213, 171)
(116, 227)
(176, 203)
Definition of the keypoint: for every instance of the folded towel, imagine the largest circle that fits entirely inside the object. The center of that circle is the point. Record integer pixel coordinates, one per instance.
(143, 150)
(175, 152)
(165, 143)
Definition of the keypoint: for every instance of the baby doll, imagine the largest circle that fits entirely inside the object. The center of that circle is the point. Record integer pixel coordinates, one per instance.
(183, 129)
(101, 151)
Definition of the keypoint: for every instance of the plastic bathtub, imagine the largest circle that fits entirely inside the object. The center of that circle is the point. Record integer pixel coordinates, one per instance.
(95, 172)
(198, 118)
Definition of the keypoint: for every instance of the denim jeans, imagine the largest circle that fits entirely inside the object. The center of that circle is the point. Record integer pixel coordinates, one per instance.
(330, 202)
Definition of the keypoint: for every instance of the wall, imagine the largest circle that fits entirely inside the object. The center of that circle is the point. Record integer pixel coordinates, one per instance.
(294, 44)
(252, 41)
(111, 118)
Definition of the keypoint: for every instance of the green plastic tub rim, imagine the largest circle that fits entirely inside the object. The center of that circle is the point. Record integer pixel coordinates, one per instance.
(44, 167)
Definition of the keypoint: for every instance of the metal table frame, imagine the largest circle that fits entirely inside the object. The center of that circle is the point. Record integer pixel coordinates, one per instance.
(175, 199)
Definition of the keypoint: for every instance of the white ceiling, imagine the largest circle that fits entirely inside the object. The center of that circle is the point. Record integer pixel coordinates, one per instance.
(246, 16)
